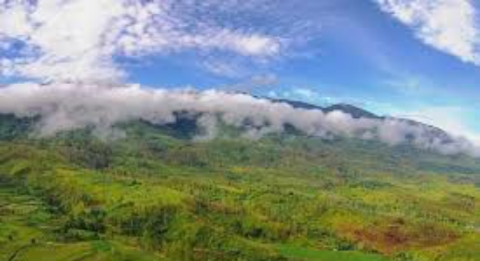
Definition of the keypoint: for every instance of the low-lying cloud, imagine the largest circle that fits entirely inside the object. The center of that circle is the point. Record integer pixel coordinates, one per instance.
(69, 106)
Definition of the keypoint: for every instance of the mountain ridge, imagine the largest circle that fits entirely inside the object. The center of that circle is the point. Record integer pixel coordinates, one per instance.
(191, 124)
(358, 113)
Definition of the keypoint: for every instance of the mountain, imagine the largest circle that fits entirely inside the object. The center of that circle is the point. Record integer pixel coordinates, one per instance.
(186, 126)
(432, 132)
(157, 193)
(299, 104)
(355, 112)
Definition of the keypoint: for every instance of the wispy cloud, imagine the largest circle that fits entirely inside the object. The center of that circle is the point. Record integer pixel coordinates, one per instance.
(80, 39)
(447, 25)
(252, 85)
(300, 94)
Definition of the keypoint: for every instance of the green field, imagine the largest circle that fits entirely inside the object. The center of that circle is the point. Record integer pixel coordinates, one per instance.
(156, 195)
(300, 253)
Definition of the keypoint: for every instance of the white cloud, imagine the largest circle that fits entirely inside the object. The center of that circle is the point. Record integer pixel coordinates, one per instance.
(450, 118)
(301, 94)
(80, 39)
(64, 107)
(252, 44)
(450, 26)
(307, 94)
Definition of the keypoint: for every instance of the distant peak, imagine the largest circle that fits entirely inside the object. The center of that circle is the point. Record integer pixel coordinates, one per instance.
(354, 111)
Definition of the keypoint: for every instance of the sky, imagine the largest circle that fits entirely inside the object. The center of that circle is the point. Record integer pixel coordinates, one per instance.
(417, 59)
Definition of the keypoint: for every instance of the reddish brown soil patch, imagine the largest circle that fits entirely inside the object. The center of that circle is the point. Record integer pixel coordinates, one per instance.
(397, 235)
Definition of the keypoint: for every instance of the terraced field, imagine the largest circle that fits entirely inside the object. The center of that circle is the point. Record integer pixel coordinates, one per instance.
(155, 196)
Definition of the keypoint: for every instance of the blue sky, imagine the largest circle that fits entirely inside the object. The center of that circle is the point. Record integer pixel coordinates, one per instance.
(412, 58)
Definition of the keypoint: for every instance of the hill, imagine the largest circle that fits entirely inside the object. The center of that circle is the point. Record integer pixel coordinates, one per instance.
(158, 193)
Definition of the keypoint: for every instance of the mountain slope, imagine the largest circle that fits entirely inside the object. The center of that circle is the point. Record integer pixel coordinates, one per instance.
(156, 194)
(355, 112)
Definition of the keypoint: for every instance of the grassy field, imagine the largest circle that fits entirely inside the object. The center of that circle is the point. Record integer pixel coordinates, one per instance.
(27, 232)
(155, 196)
(309, 254)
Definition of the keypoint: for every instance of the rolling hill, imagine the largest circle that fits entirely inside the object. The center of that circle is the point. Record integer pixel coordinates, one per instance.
(157, 193)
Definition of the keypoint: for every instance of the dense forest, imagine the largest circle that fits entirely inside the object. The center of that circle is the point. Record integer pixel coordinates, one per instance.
(158, 194)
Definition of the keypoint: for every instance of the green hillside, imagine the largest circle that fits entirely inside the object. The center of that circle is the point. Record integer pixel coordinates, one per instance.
(156, 194)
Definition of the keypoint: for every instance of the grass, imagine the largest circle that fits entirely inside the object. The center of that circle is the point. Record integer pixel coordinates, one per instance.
(90, 251)
(27, 234)
(309, 254)
(154, 196)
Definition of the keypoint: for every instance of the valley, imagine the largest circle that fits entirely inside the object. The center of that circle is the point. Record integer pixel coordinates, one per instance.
(158, 196)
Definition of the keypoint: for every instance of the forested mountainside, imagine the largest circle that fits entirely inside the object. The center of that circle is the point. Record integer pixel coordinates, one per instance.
(157, 193)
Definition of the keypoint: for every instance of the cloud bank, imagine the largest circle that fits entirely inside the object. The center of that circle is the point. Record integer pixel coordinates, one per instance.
(447, 25)
(58, 40)
(64, 107)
